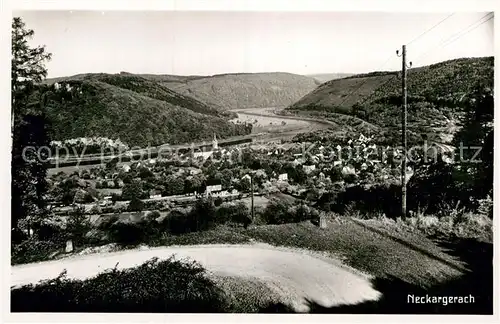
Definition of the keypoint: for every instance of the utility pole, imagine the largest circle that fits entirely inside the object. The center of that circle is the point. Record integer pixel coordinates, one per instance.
(251, 188)
(403, 132)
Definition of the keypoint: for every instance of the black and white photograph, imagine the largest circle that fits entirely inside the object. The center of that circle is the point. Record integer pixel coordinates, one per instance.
(291, 162)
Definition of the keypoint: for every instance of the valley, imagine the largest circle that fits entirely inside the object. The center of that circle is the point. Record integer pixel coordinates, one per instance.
(254, 192)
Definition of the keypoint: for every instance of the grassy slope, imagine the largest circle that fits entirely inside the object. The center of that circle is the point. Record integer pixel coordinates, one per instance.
(434, 96)
(335, 93)
(367, 250)
(325, 77)
(149, 86)
(401, 262)
(246, 90)
(97, 108)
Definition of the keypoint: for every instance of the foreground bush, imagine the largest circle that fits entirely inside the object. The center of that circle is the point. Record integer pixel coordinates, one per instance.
(165, 286)
(33, 250)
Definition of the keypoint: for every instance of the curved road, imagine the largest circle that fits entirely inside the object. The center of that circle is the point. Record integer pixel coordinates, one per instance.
(294, 275)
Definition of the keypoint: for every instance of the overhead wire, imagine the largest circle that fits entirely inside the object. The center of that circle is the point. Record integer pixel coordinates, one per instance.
(429, 29)
(387, 61)
(456, 36)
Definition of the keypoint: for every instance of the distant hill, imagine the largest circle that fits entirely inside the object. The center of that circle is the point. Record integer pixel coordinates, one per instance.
(435, 97)
(325, 77)
(148, 85)
(243, 90)
(136, 110)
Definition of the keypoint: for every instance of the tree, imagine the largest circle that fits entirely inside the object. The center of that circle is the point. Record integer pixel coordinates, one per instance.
(193, 184)
(136, 205)
(174, 185)
(227, 176)
(477, 132)
(277, 212)
(78, 225)
(29, 128)
(244, 184)
(237, 213)
(203, 214)
(241, 214)
(133, 190)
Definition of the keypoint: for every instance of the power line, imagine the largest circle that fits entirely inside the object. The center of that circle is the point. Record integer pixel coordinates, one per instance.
(468, 31)
(456, 36)
(444, 43)
(413, 40)
(428, 30)
(363, 83)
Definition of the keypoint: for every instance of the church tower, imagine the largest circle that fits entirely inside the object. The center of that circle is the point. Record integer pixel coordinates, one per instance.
(215, 144)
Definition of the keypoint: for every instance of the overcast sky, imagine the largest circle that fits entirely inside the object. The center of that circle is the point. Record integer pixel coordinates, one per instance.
(206, 43)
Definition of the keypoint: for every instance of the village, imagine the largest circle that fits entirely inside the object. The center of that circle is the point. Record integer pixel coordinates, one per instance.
(302, 170)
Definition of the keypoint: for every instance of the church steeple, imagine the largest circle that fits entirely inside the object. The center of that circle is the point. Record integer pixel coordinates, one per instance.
(215, 144)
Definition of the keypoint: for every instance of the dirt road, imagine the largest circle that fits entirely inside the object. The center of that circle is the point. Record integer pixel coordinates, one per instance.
(294, 275)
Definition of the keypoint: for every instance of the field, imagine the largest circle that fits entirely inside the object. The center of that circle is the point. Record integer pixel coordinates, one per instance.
(270, 124)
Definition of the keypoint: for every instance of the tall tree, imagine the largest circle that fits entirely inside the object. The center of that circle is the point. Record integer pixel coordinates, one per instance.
(477, 132)
(29, 129)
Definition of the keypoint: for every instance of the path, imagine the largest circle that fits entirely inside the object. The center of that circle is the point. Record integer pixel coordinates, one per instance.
(294, 275)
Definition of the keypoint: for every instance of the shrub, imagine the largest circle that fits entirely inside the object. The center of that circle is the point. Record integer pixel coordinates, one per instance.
(134, 190)
(218, 201)
(370, 200)
(177, 222)
(95, 210)
(277, 212)
(233, 213)
(282, 212)
(202, 216)
(486, 207)
(152, 215)
(156, 204)
(111, 209)
(135, 205)
(259, 215)
(164, 206)
(475, 226)
(165, 286)
(118, 209)
(130, 231)
(78, 225)
(107, 221)
(127, 232)
(304, 212)
(33, 250)
(468, 225)
(150, 227)
(223, 214)
(51, 229)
